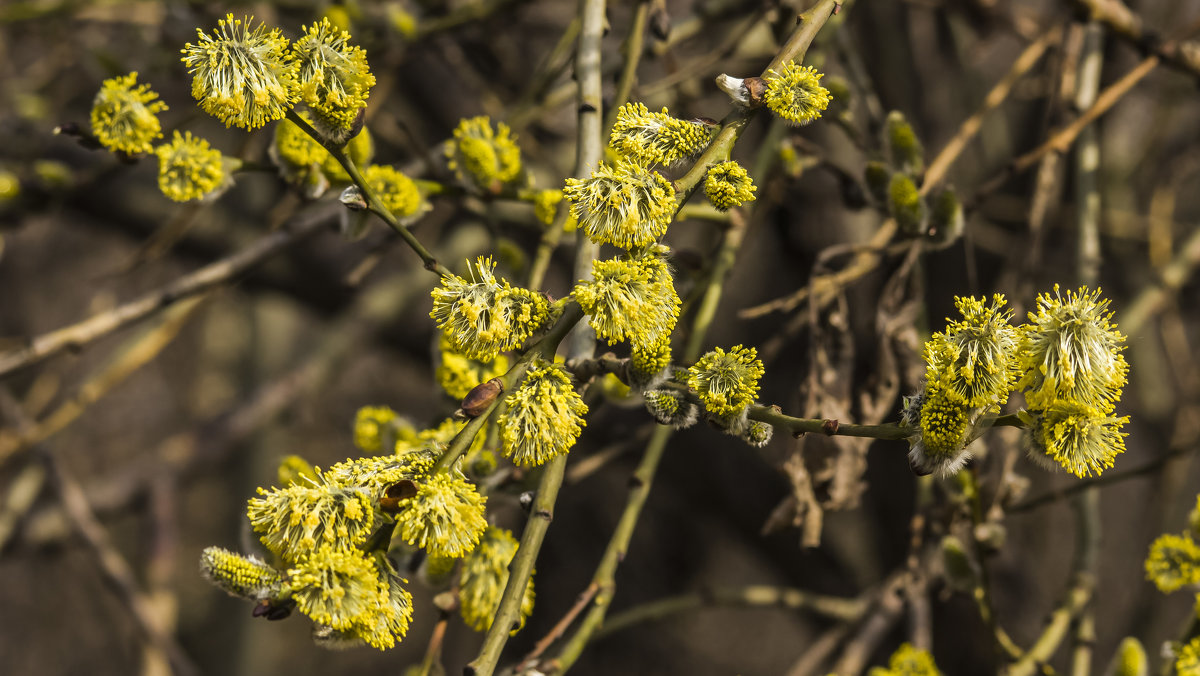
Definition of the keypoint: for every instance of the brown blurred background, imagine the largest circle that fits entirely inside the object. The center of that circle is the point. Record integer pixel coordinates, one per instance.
(278, 362)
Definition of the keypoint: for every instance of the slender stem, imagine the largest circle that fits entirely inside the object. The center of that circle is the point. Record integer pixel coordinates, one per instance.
(585, 597)
(752, 596)
(1108, 478)
(1074, 600)
(214, 274)
(544, 348)
(541, 514)
(1087, 218)
(1129, 26)
(130, 357)
(589, 151)
(982, 593)
(632, 57)
(589, 142)
(373, 202)
(966, 131)
(1061, 139)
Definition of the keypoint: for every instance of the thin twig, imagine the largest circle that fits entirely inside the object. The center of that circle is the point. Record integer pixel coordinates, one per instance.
(631, 57)
(1107, 479)
(751, 596)
(1125, 24)
(77, 335)
(1061, 139)
(879, 621)
(113, 567)
(374, 204)
(131, 357)
(970, 126)
(585, 597)
(589, 151)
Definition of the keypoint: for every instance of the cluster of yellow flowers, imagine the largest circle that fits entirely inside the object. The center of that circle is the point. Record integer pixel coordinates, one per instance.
(1173, 563)
(908, 661)
(483, 158)
(481, 316)
(329, 533)
(893, 184)
(1068, 361)
(795, 94)
(247, 75)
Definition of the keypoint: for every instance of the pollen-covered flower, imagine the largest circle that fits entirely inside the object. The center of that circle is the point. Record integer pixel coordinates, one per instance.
(671, 408)
(445, 518)
(544, 416)
(337, 587)
(1187, 660)
(545, 205)
(1173, 562)
(796, 94)
(458, 374)
(907, 155)
(190, 169)
(484, 576)
(297, 519)
(295, 470)
(484, 157)
(243, 576)
(1130, 659)
(483, 316)
(372, 475)
(656, 138)
(726, 381)
(727, 185)
(242, 76)
(1080, 438)
(972, 361)
(622, 204)
(648, 364)
(906, 206)
(630, 298)
(942, 427)
(1071, 352)
(397, 192)
(388, 622)
(333, 76)
(908, 661)
(125, 115)
(370, 426)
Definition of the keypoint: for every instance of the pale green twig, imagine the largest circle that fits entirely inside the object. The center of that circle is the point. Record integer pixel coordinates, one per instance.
(214, 274)
(373, 202)
(753, 596)
(1087, 218)
(589, 151)
(632, 56)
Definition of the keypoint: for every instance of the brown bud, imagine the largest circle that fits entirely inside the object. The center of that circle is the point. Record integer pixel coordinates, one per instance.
(829, 427)
(481, 397)
(272, 611)
(660, 21)
(392, 495)
(756, 89)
